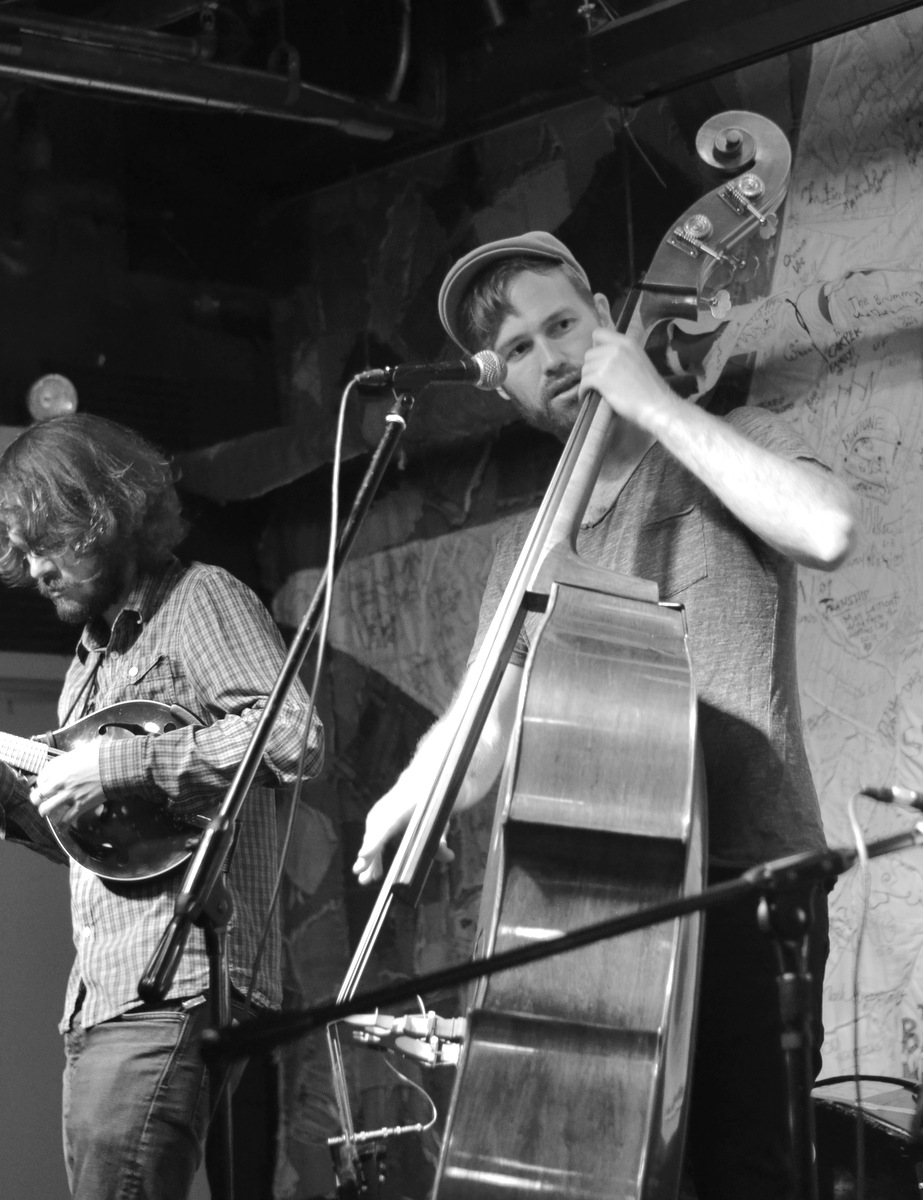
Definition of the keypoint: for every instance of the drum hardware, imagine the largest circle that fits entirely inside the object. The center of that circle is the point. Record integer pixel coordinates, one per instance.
(424, 1037)
(359, 1156)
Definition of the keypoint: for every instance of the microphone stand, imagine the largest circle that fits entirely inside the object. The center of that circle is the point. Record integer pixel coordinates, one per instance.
(767, 880)
(203, 899)
(790, 929)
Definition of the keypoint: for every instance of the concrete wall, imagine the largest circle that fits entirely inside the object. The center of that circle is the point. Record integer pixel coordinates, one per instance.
(35, 957)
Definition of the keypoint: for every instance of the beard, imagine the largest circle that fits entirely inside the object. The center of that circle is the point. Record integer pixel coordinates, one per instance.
(79, 603)
(550, 413)
(561, 419)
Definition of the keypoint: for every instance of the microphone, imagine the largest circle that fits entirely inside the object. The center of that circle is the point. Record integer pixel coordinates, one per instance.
(485, 370)
(895, 795)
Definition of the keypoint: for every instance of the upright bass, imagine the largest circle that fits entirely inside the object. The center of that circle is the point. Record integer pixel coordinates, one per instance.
(573, 1076)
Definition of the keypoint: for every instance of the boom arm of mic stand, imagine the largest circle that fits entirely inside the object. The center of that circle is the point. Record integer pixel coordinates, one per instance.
(215, 844)
(778, 875)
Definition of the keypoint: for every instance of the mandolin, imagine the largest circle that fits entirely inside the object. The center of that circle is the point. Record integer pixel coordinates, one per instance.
(124, 840)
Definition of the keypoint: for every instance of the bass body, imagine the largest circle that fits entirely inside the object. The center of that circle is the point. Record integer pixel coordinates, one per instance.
(601, 814)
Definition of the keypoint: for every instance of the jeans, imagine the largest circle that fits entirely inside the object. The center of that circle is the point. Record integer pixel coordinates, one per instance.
(136, 1103)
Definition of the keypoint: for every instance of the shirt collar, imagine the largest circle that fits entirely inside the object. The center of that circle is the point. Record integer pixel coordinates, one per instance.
(142, 602)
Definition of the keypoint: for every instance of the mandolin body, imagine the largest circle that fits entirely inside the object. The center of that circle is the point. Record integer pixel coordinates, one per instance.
(124, 840)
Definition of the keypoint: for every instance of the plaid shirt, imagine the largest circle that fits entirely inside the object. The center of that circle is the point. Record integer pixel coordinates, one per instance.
(199, 638)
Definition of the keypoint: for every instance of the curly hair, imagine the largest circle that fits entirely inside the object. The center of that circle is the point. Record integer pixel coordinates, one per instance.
(84, 483)
(486, 305)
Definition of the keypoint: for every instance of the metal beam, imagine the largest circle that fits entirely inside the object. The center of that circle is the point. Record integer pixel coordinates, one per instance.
(673, 43)
(156, 67)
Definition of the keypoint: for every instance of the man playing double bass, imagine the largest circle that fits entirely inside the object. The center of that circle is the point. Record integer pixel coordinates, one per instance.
(719, 512)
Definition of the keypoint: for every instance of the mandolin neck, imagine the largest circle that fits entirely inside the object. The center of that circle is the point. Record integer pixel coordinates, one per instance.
(23, 754)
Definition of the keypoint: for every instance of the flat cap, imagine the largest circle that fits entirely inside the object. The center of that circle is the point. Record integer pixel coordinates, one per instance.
(536, 243)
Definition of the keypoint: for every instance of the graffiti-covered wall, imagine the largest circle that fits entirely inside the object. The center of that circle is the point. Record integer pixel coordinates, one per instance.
(840, 349)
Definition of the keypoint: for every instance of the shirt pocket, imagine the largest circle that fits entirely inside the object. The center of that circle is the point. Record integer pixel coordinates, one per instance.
(161, 678)
(148, 678)
(671, 548)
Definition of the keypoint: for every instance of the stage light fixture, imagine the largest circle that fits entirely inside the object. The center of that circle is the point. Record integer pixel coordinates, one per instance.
(51, 396)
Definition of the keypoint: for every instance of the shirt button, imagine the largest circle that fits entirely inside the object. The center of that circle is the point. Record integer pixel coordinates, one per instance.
(113, 653)
(132, 671)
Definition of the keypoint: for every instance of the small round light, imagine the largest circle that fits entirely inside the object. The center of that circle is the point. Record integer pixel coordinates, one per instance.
(51, 396)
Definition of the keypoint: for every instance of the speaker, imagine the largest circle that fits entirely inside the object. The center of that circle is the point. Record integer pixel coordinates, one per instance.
(893, 1160)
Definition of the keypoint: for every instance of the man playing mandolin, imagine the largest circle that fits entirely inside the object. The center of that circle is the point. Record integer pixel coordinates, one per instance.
(719, 512)
(90, 516)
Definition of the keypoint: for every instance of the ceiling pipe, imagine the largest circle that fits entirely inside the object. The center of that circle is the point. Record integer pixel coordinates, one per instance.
(155, 14)
(145, 65)
(111, 37)
(403, 60)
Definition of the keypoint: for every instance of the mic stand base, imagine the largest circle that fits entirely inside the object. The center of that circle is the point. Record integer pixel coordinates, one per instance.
(214, 921)
(789, 925)
(359, 1175)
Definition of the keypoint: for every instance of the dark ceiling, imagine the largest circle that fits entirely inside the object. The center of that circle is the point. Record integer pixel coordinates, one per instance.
(167, 128)
(292, 94)
(200, 115)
